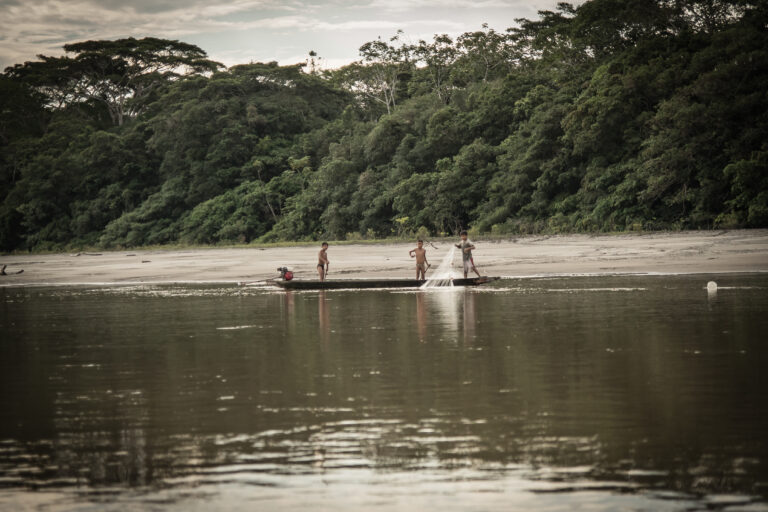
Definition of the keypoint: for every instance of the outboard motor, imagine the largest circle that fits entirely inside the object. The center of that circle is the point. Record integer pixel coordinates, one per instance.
(286, 274)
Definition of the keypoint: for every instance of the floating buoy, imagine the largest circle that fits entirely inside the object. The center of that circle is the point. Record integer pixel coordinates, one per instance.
(711, 287)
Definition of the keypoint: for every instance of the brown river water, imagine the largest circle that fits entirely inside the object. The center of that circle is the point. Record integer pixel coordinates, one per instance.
(590, 393)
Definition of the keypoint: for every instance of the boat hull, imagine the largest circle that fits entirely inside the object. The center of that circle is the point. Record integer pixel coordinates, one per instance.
(346, 284)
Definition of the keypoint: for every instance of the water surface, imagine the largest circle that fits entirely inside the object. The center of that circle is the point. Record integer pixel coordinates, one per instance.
(604, 393)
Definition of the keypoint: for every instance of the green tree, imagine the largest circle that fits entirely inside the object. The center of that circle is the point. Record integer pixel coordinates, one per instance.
(439, 58)
(121, 75)
(485, 55)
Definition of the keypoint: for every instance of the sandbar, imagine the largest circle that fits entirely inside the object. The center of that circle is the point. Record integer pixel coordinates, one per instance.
(705, 252)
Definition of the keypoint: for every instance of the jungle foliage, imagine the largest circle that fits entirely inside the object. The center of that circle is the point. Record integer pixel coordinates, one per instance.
(614, 115)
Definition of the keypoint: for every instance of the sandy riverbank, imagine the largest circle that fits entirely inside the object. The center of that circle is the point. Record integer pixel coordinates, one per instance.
(683, 252)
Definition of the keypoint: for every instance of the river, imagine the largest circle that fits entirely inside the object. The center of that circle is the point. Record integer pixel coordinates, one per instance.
(598, 393)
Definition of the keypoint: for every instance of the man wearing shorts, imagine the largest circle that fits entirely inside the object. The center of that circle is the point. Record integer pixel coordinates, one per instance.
(466, 255)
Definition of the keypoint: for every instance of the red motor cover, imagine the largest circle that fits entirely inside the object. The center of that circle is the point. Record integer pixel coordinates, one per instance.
(288, 275)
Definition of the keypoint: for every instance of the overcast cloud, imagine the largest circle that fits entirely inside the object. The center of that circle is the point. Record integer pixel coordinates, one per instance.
(241, 31)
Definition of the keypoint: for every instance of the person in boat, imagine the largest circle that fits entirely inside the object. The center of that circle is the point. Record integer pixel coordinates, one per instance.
(466, 254)
(322, 261)
(420, 253)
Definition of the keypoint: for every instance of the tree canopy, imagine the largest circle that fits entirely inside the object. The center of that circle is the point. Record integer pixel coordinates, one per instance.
(120, 75)
(613, 115)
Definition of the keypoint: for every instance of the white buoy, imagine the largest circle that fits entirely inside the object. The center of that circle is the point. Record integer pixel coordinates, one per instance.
(712, 287)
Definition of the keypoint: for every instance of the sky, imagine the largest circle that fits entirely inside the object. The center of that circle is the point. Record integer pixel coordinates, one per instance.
(242, 31)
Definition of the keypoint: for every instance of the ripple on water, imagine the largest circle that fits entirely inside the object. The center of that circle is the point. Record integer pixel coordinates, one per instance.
(582, 393)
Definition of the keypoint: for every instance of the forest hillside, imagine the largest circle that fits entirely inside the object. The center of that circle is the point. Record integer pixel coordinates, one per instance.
(613, 115)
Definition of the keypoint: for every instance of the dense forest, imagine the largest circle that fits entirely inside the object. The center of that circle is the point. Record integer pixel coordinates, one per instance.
(613, 115)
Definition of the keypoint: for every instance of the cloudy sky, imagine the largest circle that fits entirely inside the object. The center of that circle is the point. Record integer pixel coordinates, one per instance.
(241, 31)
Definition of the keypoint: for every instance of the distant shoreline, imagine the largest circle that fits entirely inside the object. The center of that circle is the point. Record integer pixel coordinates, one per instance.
(687, 252)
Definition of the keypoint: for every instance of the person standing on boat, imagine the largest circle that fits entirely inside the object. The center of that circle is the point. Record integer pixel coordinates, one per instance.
(466, 254)
(420, 253)
(322, 262)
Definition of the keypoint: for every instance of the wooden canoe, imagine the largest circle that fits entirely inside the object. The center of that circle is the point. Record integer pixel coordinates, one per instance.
(346, 284)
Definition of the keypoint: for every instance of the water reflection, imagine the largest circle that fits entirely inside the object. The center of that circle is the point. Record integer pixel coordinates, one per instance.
(289, 307)
(324, 317)
(470, 316)
(598, 394)
(452, 310)
(445, 304)
(421, 316)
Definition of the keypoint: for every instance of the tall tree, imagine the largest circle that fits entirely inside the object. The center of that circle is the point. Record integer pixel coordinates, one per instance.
(121, 75)
(484, 52)
(439, 58)
(383, 64)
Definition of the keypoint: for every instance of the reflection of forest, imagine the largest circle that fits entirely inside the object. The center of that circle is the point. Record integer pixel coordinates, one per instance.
(143, 389)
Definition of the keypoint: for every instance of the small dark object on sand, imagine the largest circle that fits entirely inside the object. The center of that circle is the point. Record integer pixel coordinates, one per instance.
(3, 273)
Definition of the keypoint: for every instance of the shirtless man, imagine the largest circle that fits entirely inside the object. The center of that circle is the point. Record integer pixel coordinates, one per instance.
(466, 255)
(322, 261)
(420, 253)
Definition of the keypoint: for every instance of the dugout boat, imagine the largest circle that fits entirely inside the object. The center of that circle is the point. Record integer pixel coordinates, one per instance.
(346, 284)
